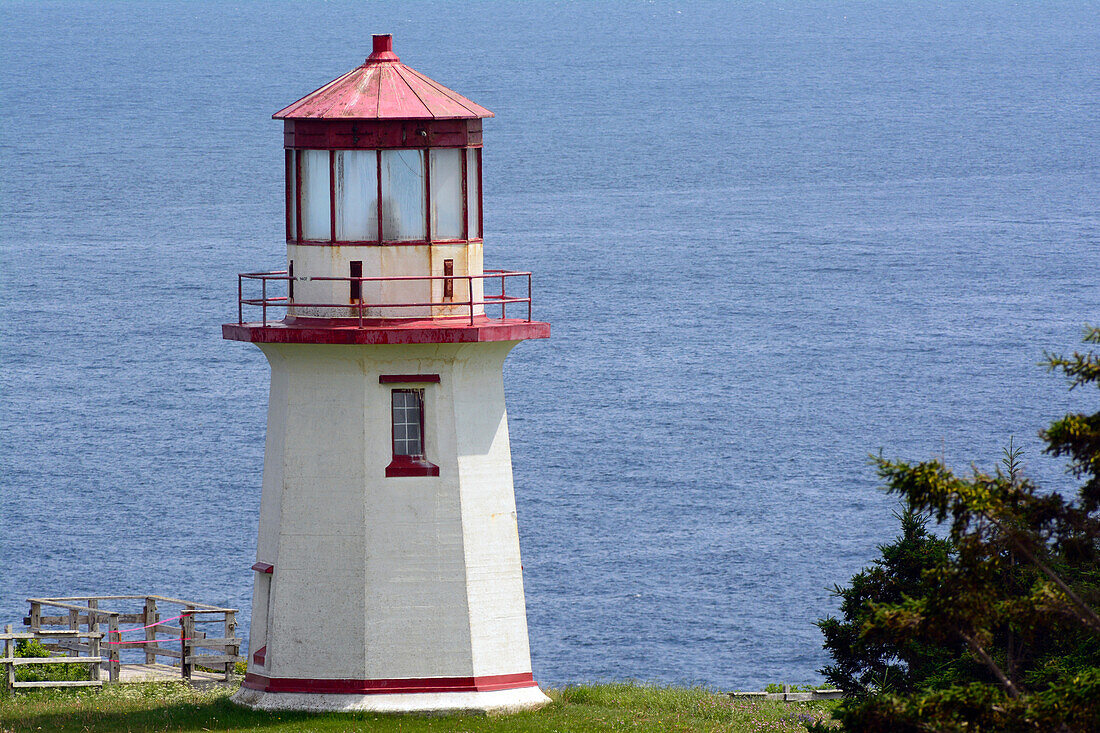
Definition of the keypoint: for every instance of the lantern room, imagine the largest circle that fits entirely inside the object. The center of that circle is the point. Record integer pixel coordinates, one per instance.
(383, 180)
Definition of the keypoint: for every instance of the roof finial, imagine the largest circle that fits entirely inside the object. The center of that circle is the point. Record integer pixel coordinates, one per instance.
(383, 49)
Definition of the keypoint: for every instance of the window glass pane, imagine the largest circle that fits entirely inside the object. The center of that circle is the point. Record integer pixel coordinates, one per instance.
(446, 169)
(356, 195)
(403, 195)
(406, 422)
(472, 193)
(292, 202)
(316, 223)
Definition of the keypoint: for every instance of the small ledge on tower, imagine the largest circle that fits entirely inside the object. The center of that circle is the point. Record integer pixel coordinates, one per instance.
(411, 466)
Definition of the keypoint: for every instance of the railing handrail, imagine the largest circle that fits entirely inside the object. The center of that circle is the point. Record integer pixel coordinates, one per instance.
(358, 304)
(60, 603)
(282, 275)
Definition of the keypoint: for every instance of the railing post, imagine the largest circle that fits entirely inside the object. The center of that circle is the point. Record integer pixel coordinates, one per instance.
(359, 305)
(93, 616)
(264, 298)
(528, 297)
(94, 650)
(470, 290)
(74, 625)
(9, 659)
(230, 649)
(187, 631)
(240, 300)
(150, 617)
(114, 667)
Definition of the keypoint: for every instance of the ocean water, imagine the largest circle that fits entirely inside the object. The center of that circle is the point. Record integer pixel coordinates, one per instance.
(772, 238)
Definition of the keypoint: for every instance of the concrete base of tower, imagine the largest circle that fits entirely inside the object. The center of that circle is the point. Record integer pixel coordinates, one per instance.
(425, 703)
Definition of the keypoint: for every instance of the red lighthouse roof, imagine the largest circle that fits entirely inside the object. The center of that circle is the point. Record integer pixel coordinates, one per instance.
(383, 88)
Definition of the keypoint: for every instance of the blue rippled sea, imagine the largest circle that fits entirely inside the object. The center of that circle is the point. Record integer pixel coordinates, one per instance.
(772, 238)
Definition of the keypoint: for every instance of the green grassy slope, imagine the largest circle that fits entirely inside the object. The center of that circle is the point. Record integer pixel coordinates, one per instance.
(610, 707)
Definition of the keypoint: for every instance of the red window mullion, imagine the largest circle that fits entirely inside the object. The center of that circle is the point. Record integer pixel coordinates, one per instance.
(465, 196)
(289, 203)
(427, 197)
(332, 195)
(480, 191)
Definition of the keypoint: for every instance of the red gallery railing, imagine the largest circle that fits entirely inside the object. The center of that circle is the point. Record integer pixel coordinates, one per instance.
(265, 301)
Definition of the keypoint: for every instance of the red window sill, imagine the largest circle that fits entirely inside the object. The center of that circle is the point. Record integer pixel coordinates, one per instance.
(411, 466)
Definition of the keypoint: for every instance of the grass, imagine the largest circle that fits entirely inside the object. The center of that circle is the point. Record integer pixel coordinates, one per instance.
(606, 707)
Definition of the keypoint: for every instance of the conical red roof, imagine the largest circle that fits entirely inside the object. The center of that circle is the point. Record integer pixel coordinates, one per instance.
(383, 88)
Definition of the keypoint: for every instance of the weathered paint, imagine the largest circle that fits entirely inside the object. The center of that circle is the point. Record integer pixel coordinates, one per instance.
(427, 331)
(383, 88)
(382, 582)
(384, 261)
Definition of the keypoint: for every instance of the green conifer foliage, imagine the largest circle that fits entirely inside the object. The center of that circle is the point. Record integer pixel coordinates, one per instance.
(994, 626)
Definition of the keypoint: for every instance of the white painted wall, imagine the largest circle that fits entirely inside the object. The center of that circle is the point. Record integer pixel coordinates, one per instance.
(376, 577)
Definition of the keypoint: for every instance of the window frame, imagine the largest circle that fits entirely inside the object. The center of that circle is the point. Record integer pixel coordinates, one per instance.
(405, 464)
(293, 188)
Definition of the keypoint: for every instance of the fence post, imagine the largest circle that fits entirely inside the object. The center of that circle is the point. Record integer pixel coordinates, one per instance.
(230, 633)
(187, 631)
(36, 616)
(96, 668)
(74, 625)
(93, 617)
(150, 631)
(9, 659)
(114, 666)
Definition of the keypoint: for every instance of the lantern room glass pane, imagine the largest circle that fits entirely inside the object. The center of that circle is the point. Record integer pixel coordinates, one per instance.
(403, 194)
(473, 193)
(446, 171)
(291, 195)
(356, 195)
(316, 212)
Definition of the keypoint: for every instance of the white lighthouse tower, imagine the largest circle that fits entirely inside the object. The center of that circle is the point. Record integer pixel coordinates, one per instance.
(388, 570)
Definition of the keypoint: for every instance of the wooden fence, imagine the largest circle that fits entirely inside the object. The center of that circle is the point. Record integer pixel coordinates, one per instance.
(9, 661)
(177, 636)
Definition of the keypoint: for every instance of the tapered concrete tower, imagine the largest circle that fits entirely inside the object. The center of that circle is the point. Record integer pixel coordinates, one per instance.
(388, 571)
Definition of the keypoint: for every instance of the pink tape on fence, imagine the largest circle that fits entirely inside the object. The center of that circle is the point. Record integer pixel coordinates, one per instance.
(158, 623)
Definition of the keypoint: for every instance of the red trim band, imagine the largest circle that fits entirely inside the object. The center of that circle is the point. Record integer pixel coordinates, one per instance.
(408, 378)
(379, 687)
(416, 332)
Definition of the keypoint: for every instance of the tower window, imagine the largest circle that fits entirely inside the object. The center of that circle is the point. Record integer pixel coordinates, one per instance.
(356, 269)
(408, 422)
(407, 412)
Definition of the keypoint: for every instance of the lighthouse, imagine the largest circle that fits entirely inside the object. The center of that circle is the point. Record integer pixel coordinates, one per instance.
(387, 572)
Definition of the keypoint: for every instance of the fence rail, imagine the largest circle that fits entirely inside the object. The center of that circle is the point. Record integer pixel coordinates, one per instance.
(9, 661)
(360, 304)
(183, 640)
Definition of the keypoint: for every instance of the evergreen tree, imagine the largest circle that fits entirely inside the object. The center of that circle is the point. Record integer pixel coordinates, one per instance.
(993, 627)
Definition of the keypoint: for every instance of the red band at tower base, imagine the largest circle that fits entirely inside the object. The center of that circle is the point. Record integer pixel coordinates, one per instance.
(393, 686)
